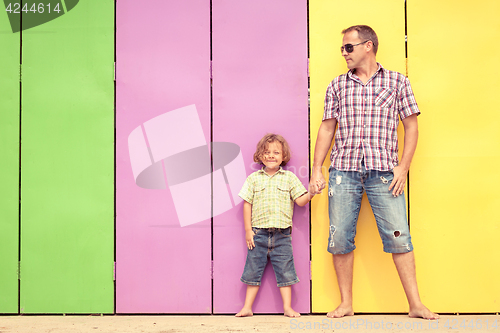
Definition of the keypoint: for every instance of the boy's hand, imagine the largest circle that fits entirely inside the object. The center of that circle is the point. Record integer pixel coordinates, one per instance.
(317, 183)
(249, 239)
(316, 188)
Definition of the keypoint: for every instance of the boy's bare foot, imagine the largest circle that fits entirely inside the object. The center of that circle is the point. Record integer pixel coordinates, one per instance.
(422, 312)
(244, 313)
(341, 311)
(291, 313)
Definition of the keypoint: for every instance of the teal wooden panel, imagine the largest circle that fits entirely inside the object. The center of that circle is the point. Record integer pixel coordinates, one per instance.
(67, 214)
(9, 167)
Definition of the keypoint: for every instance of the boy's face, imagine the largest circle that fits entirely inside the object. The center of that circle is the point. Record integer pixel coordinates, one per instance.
(273, 156)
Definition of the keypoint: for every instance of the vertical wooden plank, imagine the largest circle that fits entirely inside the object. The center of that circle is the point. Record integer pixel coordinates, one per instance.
(67, 163)
(376, 286)
(259, 86)
(163, 64)
(453, 65)
(9, 167)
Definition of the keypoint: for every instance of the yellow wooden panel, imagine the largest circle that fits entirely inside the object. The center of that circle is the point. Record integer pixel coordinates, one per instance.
(376, 286)
(453, 64)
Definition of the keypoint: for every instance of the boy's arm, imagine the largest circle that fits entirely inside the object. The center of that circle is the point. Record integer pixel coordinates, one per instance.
(304, 199)
(247, 219)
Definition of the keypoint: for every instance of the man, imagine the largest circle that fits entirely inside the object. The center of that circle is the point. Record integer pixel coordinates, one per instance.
(366, 104)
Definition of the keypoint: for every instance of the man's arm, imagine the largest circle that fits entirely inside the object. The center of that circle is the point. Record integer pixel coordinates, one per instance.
(410, 125)
(326, 133)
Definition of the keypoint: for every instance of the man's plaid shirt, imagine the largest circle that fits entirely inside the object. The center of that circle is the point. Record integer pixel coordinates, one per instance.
(272, 197)
(368, 117)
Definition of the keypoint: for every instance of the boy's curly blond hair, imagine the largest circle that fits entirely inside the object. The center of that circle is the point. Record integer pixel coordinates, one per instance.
(264, 144)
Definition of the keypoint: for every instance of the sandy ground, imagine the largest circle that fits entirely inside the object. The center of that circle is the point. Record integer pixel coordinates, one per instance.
(258, 323)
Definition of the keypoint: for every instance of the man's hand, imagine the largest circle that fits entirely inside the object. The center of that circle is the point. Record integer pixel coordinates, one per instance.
(249, 239)
(317, 183)
(399, 181)
(410, 125)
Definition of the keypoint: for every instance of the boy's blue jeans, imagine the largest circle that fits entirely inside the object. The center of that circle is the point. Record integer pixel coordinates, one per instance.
(276, 244)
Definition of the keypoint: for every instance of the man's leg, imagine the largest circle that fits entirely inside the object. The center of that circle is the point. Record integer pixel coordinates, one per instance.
(344, 268)
(405, 264)
(345, 192)
(390, 214)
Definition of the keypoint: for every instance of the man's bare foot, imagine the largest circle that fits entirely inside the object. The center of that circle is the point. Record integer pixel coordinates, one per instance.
(244, 313)
(422, 312)
(341, 311)
(291, 313)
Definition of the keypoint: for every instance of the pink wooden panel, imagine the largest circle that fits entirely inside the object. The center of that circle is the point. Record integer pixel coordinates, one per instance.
(163, 69)
(259, 86)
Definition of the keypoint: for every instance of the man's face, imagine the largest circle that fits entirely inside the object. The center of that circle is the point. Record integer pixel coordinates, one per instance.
(358, 55)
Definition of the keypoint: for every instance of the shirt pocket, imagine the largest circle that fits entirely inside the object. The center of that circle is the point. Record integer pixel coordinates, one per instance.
(259, 193)
(284, 191)
(385, 97)
(284, 199)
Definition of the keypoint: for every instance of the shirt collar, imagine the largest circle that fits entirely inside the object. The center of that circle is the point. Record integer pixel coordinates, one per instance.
(280, 170)
(353, 76)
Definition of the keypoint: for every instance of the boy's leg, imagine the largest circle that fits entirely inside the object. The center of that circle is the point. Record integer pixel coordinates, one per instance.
(286, 295)
(281, 257)
(254, 268)
(249, 299)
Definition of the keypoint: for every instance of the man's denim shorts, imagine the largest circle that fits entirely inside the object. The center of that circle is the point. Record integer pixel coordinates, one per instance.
(345, 191)
(276, 244)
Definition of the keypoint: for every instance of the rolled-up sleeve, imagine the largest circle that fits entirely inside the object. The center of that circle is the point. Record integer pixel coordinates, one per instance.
(246, 192)
(331, 103)
(407, 103)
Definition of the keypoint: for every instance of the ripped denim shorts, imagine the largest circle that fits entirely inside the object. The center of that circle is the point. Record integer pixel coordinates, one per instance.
(345, 191)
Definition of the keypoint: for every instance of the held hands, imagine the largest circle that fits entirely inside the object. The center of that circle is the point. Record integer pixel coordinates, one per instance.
(317, 183)
(399, 181)
(249, 239)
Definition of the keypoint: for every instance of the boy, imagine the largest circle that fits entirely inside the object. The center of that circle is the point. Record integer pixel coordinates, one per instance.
(269, 196)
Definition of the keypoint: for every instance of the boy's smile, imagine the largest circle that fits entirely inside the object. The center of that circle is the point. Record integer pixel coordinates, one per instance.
(273, 157)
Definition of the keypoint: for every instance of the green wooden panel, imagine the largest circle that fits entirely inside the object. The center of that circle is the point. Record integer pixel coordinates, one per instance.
(9, 165)
(67, 214)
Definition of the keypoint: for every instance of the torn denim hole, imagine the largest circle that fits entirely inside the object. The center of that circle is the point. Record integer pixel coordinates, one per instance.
(332, 232)
(384, 180)
(338, 180)
(397, 233)
(330, 192)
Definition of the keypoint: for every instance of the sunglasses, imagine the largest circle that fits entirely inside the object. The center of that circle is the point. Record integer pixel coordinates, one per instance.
(349, 47)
